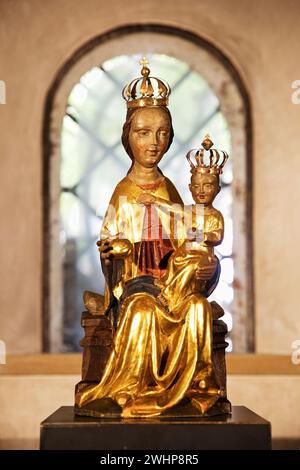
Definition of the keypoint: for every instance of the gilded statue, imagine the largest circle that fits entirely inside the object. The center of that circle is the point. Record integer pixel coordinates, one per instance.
(160, 267)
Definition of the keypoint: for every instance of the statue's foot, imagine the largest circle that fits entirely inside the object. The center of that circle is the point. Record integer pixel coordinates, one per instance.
(205, 403)
(122, 398)
(99, 408)
(205, 387)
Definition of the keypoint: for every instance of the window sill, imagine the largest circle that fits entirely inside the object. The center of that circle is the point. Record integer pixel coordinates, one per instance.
(70, 364)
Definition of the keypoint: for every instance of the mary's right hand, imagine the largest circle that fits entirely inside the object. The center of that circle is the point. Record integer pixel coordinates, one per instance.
(113, 248)
(105, 249)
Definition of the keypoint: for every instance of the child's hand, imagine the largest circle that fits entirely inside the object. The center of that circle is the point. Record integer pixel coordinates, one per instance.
(194, 234)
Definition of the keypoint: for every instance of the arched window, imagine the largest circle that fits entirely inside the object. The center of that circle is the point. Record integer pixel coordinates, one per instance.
(88, 160)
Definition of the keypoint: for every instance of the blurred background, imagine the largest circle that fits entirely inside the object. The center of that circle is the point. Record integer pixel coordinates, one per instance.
(232, 67)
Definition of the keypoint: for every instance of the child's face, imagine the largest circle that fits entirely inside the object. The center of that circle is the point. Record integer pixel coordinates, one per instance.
(204, 188)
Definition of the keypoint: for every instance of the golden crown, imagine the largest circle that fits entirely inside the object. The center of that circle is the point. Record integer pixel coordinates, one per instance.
(146, 90)
(207, 159)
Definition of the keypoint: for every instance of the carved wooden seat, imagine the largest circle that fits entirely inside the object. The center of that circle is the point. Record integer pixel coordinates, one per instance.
(98, 340)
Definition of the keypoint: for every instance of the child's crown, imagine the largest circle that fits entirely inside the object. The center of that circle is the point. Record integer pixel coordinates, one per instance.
(207, 159)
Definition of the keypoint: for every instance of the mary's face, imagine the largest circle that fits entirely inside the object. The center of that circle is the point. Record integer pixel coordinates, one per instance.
(149, 136)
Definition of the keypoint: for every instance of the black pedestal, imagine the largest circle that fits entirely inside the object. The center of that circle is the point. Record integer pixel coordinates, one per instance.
(241, 430)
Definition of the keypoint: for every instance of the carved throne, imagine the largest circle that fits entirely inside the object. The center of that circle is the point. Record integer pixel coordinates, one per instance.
(98, 340)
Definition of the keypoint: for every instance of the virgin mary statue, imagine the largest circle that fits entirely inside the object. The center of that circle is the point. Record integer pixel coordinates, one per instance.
(162, 348)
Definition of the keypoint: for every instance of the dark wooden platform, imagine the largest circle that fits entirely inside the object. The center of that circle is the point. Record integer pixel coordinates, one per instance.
(242, 430)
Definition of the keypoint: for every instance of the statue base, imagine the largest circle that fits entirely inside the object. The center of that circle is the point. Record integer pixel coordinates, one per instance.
(241, 430)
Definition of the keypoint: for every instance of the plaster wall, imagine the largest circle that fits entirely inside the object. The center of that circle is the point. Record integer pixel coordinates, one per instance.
(262, 41)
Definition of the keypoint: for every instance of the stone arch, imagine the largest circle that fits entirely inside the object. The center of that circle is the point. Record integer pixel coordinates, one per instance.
(224, 79)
